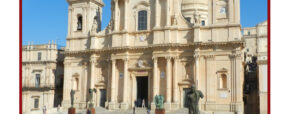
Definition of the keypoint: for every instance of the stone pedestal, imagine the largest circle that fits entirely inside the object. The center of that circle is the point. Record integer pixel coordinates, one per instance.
(124, 106)
(83, 105)
(111, 106)
(167, 106)
(160, 111)
(175, 106)
(72, 111)
(91, 111)
(153, 106)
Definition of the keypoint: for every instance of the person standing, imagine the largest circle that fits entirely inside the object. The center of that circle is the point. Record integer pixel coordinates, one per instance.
(44, 109)
(143, 103)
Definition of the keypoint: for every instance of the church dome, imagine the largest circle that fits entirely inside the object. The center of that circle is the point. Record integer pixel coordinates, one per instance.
(188, 8)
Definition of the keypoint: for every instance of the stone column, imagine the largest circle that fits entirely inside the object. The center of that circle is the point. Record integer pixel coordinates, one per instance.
(168, 83)
(197, 70)
(113, 86)
(115, 14)
(168, 21)
(124, 104)
(237, 11)
(210, 72)
(92, 63)
(236, 82)
(175, 80)
(125, 15)
(157, 19)
(155, 77)
(214, 11)
(230, 11)
(175, 104)
(66, 87)
(155, 82)
(84, 89)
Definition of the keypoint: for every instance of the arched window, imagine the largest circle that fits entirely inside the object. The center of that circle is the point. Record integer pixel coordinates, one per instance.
(76, 84)
(80, 23)
(142, 20)
(223, 81)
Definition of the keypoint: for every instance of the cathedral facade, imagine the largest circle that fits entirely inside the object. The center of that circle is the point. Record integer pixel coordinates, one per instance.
(155, 47)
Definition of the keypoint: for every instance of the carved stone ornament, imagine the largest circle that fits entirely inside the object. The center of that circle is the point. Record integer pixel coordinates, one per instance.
(140, 63)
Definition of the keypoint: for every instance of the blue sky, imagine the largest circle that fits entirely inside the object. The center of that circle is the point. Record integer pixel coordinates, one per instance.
(45, 20)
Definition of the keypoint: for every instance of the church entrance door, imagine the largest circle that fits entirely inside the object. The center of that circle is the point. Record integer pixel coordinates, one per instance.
(142, 91)
(102, 97)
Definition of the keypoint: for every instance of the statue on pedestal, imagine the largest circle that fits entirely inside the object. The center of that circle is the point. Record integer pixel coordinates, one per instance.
(91, 97)
(193, 98)
(72, 97)
(197, 17)
(159, 101)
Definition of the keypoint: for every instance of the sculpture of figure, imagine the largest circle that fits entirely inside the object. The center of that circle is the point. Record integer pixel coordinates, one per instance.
(197, 17)
(193, 98)
(79, 23)
(91, 96)
(175, 20)
(72, 97)
(159, 101)
(94, 26)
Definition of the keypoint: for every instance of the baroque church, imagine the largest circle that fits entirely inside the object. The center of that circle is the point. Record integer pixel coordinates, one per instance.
(155, 47)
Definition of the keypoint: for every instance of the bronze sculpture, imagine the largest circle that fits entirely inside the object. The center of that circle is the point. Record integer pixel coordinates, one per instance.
(72, 97)
(159, 101)
(193, 98)
(91, 97)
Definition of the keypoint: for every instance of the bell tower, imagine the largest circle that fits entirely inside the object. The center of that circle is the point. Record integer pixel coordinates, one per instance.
(84, 16)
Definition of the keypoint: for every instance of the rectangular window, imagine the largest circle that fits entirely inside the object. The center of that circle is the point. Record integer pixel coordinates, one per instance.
(203, 23)
(249, 33)
(36, 103)
(39, 56)
(142, 20)
(37, 80)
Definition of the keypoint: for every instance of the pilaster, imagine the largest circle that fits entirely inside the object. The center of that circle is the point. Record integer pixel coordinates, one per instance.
(112, 104)
(124, 104)
(115, 15)
(157, 14)
(168, 83)
(210, 82)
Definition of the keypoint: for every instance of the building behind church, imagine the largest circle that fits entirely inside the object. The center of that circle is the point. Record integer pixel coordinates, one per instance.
(42, 76)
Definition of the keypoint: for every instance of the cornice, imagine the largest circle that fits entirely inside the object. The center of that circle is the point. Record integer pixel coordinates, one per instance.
(38, 62)
(153, 47)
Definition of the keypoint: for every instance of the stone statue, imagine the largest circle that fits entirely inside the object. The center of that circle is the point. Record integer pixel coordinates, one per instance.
(79, 23)
(72, 97)
(94, 26)
(159, 101)
(193, 99)
(197, 17)
(91, 96)
(175, 20)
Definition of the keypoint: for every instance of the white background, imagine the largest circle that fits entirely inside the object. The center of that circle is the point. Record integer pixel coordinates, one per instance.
(280, 56)
(9, 57)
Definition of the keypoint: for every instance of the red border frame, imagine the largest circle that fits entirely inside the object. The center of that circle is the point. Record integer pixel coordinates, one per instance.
(269, 56)
(20, 56)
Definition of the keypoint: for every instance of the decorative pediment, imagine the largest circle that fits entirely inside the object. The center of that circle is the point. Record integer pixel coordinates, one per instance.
(222, 70)
(76, 75)
(142, 3)
(186, 81)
